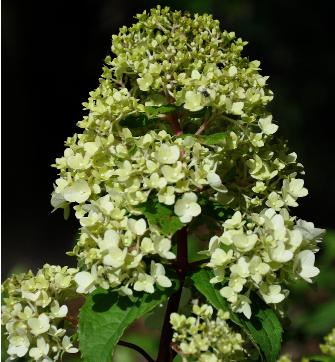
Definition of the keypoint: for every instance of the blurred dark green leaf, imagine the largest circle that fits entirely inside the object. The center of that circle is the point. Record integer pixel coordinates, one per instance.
(321, 359)
(318, 321)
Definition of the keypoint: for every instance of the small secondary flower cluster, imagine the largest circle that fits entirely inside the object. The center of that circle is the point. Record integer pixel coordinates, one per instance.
(34, 313)
(205, 338)
(107, 178)
(328, 347)
(261, 252)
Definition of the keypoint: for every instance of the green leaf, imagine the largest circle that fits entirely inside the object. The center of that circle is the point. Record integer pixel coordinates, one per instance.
(215, 209)
(162, 216)
(105, 316)
(156, 110)
(201, 280)
(135, 121)
(320, 358)
(4, 345)
(139, 124)
(263, 329)
(213, 139)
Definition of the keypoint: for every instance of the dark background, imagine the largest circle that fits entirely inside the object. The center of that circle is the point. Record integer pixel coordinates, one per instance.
(52, 57)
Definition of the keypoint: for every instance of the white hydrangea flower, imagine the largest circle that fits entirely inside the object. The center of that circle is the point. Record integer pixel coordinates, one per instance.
(205, 337)
(245, 242)
(292, 190)
(57, 311)
(173, 173)
(79, 192)
(111, 171)
(280, 254)
(145, 82)
(167, 155)
(310, 232)
(68, 346)
(215, 182)
(219, 257)
(138, 227)
(157, 271)
(41, 351)
(258, 268)
(267, 126)
(265, 250)
(157, 182)
(167, 195)
(32, 324)
(271, 293)
(162, 247)
(232, 71)
(39, 325)
(193, 101)
(144, 283)
(85, 282)
(307, 270)
(111, 240)
(76, 161)
(18, 346)
(274, 201)
(242, 305)
(115, 257)
(234, 222)
(187, 207)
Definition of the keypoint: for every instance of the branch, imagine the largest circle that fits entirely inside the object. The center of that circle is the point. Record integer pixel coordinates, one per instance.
(202, 127)
(136, 348)
(173, 119)
(196, 264)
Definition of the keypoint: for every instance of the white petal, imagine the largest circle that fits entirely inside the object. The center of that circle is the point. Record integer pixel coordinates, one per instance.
(190, 197)
(138, 227)
(85, 282)
(78, 192)
(164, 281)
(195, 209)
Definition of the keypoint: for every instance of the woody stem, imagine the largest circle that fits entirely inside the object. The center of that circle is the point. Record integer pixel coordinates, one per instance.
(166, 354)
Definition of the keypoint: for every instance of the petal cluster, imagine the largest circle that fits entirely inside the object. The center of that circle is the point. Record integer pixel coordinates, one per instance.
(120, 174)
(34, 313)
(205, 337)
(261, 252)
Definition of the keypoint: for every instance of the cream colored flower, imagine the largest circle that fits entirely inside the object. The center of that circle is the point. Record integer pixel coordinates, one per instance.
(187, 207)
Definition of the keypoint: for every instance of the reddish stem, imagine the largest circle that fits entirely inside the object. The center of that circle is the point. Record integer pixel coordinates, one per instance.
(166, 354)
(173, 119)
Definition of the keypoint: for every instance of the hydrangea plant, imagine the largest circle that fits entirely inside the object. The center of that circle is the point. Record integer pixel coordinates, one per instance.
(177, 139)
